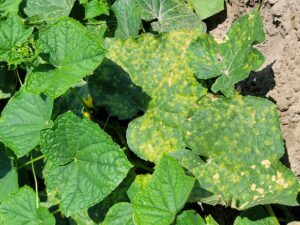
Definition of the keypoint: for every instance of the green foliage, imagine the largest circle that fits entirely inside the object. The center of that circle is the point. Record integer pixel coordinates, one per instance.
(48, 10)
(81, 157)
(21, 208)
(14, 37)
(148, 124)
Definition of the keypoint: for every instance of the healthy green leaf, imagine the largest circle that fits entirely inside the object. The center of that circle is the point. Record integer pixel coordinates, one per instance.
(190, 217)
(119, 214)
(128, 13)
(138, 185)
(158, 65)
(255, 216)
(231, 60)
(73, 54)
(246, 131)
(164, 196)
(21, 208)
(24, 116)
(170, 15)
(95, 8)
(14, 37)
(8, 176)
(84, 164)
(48, 10)
(9, 5)
(8, 82)
(205, 9)
(110, 86)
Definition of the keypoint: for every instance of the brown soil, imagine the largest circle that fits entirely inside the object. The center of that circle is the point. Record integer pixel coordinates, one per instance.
(279, 77)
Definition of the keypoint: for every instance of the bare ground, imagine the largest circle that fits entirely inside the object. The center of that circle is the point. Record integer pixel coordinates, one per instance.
(279, 77)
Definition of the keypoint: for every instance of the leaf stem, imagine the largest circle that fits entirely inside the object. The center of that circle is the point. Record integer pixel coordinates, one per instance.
(80, 98)
(272, 214)
(260, 5)
(35, 184)
(18, 76)
(31, 161)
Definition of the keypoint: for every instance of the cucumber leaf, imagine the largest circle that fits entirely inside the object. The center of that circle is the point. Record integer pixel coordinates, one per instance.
(139, 184)
(128, 13)
(158, 65)
(71, 53)
(24, 116)
(241, 139)
(110, 86)
(9, 5)
(81, 155)
(170, 15)
(14, 40)
(189, 217)
(119, 214)
(233, 59)
(164, 196)
(48, 10)
(255, 216)
(21, 208)
(205, 9)
(8, 175)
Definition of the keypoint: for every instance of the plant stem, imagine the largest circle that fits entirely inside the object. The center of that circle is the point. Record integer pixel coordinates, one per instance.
(79, 98)
(18, 76)
(35, 184)
(31, 161)
(260, 5)
(272, 214)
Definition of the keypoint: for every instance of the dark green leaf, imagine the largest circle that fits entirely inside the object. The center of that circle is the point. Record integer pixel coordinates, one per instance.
(119, 214)
(205, 9)
(96, 8)
(9, 5)
(189, 217)
(84, 164)
(24, 116)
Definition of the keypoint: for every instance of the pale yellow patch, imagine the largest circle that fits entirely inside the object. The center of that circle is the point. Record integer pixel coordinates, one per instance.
(242, 173)
(216, 176)
(266, 163)
(253, 187)
(255, 197)
(253, 166)
(273, 178)
(260, 190)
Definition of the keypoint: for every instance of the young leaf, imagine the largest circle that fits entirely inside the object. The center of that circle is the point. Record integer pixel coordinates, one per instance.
(254, 216)
(233, 59)
(48, 10)
(9, 5)
(170, 15)
(21, 208)
(95, 8)
(73, 54)
(84, 164)
(128, 13)
(13, 40)
(246, 131)
(8, 176)
(190, 217)
(205, 9)
(119, 214)
(164, 196)
(158, 65)
(110, 86)
(24, 116)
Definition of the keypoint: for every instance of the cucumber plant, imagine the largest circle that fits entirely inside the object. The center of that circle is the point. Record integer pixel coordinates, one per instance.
(126, 112)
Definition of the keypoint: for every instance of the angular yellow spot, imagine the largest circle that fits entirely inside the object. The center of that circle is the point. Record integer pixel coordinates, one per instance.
(255, 197)
(253, 187)
(279, 174)
(260, 190)
(285, 185)
(242, 173)
(266, 163)
(273, 178)
(216, 176)
(253, 166)
(280, 181)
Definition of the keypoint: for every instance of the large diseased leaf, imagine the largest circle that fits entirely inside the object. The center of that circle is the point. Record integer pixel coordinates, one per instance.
(170, 15)
(21, 208)
(164, 196)
(8, 176)
(24, 116)
(128, 13)
(158, 65)
(233, 59)
(241, 139)
(13, 40)
(73, 54)
(48, 10)
(84, 164)
(9, 5)
(110, 86)
(205, 9)
(119, 214)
